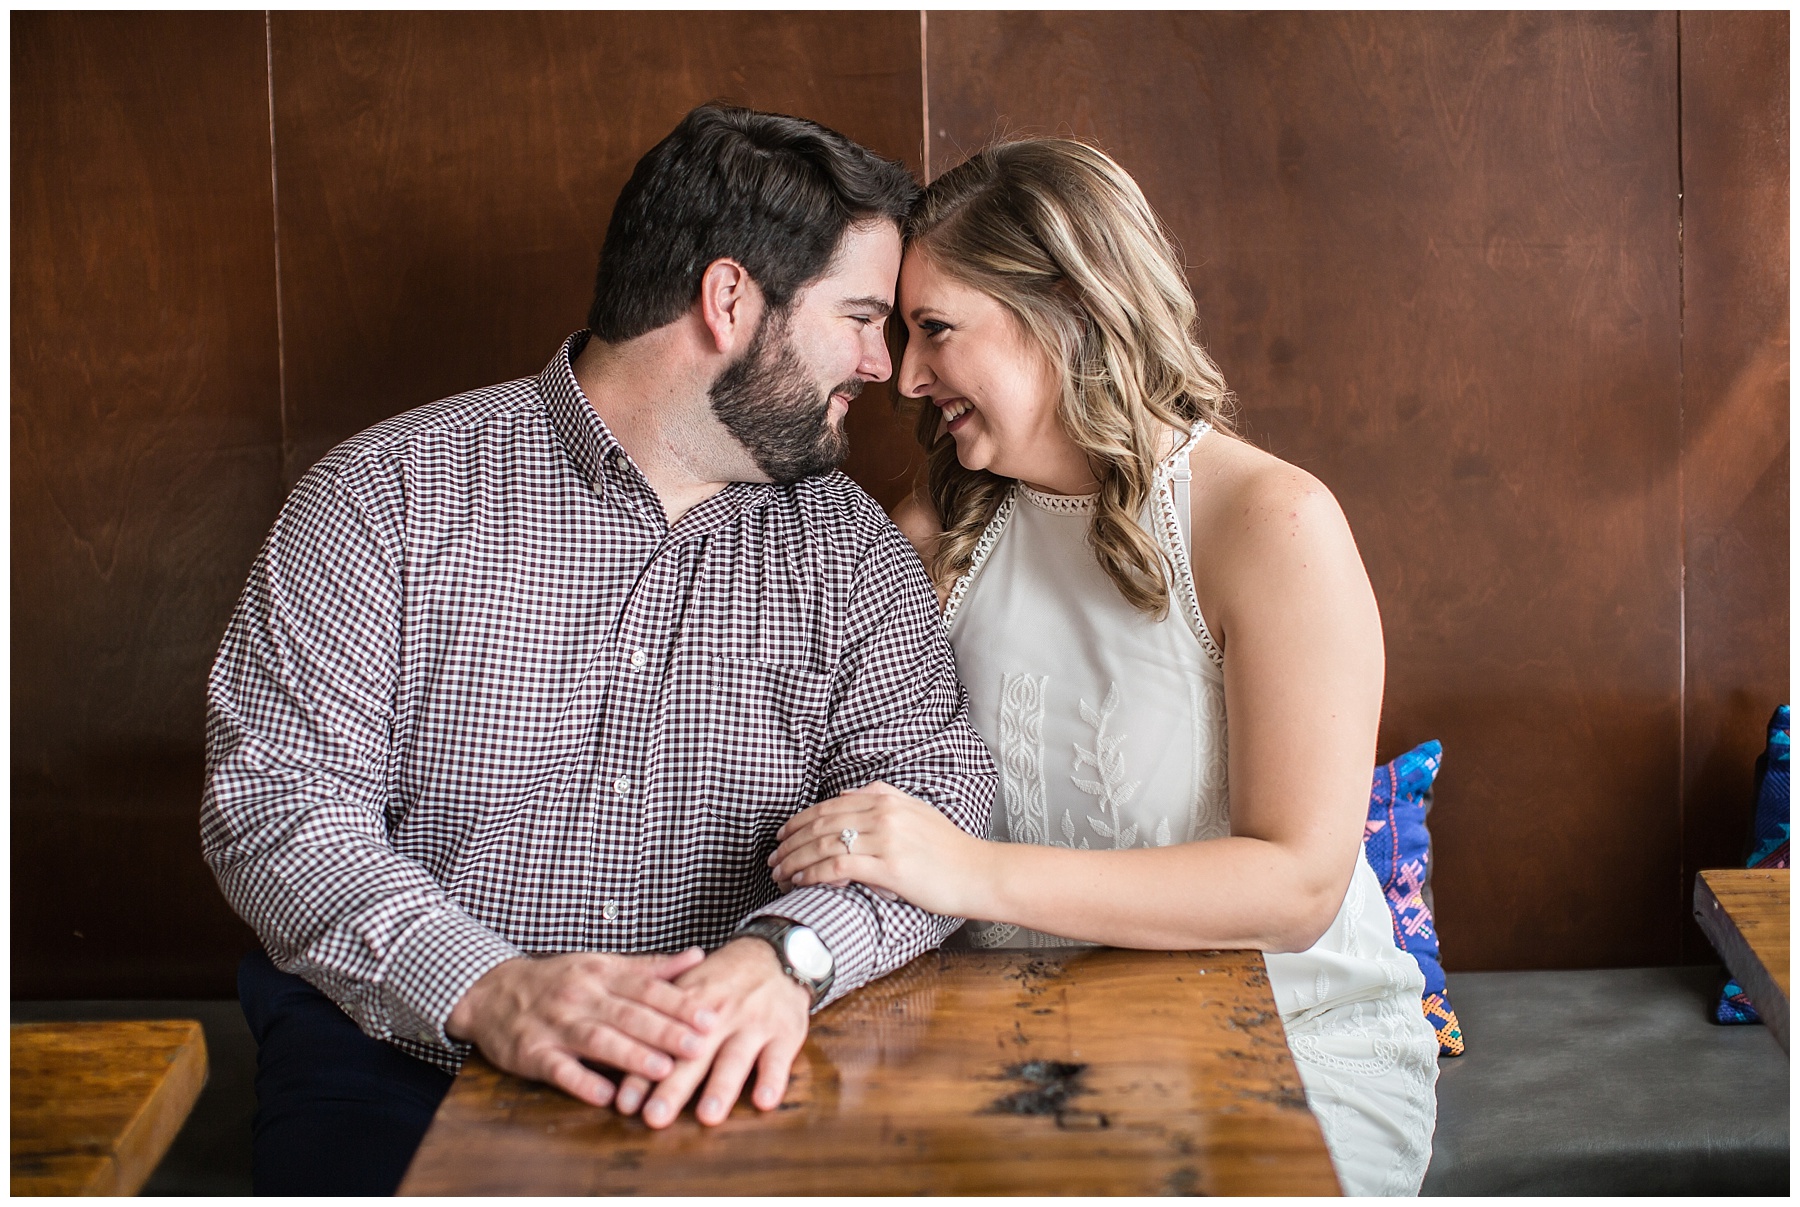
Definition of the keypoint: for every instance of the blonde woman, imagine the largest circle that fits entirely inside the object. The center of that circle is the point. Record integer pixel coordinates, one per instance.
(1125, 584)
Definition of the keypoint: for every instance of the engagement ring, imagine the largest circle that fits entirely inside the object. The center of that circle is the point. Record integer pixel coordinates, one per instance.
(848, 838)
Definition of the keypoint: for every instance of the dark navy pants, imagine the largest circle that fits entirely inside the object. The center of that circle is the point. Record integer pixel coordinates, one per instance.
(336, 1112)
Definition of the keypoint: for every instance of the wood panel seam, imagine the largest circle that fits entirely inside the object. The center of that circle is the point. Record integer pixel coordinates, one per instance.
(275, 234)
(1683, 872)
(925, 95)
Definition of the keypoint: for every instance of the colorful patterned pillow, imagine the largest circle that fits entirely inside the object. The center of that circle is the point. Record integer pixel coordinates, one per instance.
(1768, 844)
(1398, 847)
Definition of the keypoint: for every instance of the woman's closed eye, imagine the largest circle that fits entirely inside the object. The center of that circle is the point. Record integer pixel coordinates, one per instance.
(932, 328)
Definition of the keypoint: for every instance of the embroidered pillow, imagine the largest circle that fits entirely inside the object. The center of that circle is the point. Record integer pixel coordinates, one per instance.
(1398, 847)
(1768, 844)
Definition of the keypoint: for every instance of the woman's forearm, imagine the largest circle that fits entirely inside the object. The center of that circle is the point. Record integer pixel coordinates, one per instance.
(1224, 893)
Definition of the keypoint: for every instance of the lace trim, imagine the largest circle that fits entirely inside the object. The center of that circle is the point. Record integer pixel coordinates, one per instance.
(1176, 547)
(990, 536)
(989, 934)
(1061, 504)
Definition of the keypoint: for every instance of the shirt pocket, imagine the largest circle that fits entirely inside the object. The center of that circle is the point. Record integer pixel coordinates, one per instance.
(761, 744)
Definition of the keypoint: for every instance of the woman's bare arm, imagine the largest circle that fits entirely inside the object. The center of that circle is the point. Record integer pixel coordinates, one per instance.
(1284, 589)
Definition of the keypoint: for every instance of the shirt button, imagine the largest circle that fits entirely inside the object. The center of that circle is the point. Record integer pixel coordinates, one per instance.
(610, 910)
(622, 785)
(638, 658)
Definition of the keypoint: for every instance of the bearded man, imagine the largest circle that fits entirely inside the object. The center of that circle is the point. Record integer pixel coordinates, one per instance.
(524, 682)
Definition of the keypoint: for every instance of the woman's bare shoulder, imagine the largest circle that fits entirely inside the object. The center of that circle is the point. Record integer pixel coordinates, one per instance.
(1252, 509)
(918, 522)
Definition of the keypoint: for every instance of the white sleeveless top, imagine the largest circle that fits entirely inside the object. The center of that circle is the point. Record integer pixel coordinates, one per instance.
(1109, 730)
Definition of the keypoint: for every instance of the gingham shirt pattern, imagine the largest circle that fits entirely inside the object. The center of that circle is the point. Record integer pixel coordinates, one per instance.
(478, 699)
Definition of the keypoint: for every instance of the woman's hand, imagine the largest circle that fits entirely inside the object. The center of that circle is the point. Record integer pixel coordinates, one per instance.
(902, 845)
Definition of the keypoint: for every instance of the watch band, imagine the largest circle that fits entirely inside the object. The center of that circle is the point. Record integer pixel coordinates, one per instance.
(775, 932)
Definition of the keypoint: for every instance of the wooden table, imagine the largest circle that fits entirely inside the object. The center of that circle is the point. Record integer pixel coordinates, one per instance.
(1744, 912)
(96, 1105)
(1097, 1072)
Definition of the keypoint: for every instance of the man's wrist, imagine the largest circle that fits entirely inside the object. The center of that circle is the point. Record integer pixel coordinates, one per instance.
(432, 968)
(462, 1023)
(797, 950)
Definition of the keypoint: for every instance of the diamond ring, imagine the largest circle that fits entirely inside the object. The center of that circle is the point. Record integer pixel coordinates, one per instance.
(848, 837)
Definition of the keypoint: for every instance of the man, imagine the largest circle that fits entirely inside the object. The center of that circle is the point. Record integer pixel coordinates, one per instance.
(542, 668)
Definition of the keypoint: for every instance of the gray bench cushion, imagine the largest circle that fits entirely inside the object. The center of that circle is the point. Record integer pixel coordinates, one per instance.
(1607, 1082)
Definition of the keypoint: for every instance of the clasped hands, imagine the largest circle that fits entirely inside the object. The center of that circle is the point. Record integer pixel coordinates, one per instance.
(665, 1021)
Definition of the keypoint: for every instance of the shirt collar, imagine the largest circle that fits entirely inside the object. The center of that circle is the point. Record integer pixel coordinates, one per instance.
(591, 444)
(585, 436)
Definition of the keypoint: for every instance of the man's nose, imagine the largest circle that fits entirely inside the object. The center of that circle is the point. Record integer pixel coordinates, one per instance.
(876, 364)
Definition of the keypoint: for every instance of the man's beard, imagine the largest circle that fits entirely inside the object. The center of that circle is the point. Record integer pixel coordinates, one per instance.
(765, 399)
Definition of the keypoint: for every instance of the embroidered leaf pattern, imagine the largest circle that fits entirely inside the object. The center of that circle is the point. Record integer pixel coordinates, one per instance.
(1108, 783)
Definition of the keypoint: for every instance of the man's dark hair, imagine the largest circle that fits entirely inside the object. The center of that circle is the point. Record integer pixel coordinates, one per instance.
(774, 193)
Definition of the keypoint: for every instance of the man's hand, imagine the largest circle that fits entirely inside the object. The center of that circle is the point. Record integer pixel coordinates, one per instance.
(540, 1018)
(762, 1013)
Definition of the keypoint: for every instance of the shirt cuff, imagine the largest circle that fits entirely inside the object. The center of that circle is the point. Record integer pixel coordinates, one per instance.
(845, 921)
(433, 965)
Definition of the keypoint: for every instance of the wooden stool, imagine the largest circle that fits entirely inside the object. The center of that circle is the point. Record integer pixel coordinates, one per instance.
(96, 1105)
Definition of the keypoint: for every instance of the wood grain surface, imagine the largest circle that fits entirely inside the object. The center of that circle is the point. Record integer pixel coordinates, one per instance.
(1101, 1072)
(1734, 456)
(96, 1105)
(1744, 912)
(1437, 256)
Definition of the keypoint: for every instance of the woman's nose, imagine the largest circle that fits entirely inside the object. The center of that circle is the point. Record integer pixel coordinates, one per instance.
(915, 377)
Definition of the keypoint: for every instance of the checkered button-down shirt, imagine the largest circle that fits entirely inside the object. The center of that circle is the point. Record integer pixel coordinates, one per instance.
(479, 699)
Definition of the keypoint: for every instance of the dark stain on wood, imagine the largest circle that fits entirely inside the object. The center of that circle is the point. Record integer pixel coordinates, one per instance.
(1249, 1020)
(1036, 975)
(1051, 1083)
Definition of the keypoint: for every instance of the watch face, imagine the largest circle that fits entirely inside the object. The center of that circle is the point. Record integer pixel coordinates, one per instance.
(807, 954)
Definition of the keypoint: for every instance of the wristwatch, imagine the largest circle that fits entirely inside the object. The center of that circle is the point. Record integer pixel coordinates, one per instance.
(802, 953)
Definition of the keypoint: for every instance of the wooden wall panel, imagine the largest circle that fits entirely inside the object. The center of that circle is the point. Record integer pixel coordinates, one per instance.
(445, 181)
(145, 469)
(1437, 257)
(1734, 118)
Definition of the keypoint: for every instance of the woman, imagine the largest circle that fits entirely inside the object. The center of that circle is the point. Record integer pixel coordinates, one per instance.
(1124, 581)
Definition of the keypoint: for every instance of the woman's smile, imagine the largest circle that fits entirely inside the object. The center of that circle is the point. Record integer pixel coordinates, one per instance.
(955, 411)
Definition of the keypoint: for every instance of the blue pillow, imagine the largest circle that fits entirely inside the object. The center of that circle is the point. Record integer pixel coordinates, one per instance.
(1768, 845)
(1398, 847)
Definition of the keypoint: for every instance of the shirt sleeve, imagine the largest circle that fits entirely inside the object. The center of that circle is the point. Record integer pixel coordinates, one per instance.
(300, 709)
(899, 714)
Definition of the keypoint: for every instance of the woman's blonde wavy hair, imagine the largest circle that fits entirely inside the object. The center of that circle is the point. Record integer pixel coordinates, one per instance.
(1061, 236)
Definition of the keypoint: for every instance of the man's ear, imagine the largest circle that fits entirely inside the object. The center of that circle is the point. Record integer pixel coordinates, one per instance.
(731, 304)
